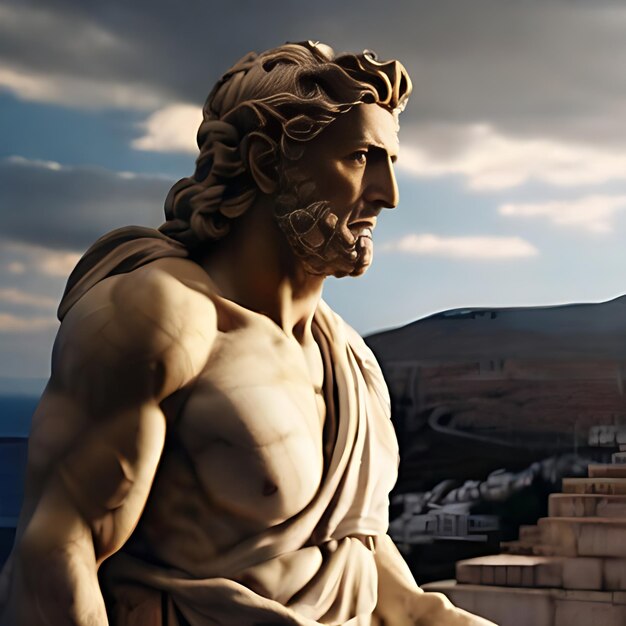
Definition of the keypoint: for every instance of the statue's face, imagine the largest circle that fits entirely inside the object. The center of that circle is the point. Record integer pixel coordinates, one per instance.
(333, 196)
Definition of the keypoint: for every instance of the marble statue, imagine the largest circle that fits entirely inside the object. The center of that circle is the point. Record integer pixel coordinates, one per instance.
(214, 444)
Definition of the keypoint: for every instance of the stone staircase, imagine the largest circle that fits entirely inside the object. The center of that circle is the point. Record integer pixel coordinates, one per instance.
(568, 570)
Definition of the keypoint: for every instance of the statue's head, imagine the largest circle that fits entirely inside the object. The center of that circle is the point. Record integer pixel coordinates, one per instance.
(281, 99)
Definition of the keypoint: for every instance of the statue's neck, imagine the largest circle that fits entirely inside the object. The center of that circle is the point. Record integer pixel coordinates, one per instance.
(255, 267)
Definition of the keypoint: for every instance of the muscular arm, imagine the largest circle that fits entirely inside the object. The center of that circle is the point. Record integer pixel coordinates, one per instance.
(97, 438)
(402, 603)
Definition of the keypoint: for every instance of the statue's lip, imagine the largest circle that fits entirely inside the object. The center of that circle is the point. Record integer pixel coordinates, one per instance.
(360, 224)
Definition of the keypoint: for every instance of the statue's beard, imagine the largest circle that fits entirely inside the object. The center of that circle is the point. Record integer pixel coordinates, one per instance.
(324, 245)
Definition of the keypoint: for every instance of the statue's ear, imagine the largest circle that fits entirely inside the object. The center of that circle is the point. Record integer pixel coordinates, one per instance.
(262, 161)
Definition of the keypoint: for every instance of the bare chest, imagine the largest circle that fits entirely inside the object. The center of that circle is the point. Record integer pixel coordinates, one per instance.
(252, 425)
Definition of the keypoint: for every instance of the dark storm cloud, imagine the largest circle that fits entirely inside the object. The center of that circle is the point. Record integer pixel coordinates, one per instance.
(68, 208)
(517, 64)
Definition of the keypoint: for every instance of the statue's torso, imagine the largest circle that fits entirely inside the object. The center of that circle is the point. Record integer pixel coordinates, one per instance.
(245, 447)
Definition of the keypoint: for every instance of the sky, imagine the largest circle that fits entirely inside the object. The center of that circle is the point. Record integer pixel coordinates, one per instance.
(512, 169)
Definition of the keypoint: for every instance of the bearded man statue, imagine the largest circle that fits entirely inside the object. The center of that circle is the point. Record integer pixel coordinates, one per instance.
(214, 445)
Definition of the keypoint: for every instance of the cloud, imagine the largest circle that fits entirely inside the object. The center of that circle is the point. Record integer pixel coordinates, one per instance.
(15, 267)
(468, 248)
(20, 297)
(171, 129)
(508, 81)
(490, 161)
(54, 263)
(68, 208)
(68, 57)
(520, 66)
(41, 260)
(592, 213)
(14, 324)
(75, 92)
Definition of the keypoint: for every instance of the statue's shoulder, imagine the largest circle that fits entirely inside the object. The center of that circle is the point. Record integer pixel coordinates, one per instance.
(157, 317)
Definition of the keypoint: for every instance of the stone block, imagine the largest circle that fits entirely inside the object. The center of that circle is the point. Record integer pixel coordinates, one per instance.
(619, 597)
(468, 572)
(570, 612)
(611, 506)
(602, 537)
(511, 570)
(529, 534)
(500, 576)
(603, 486)
(528, 577)
(514, 576)
(619, 457)
(614, 574)
(516, 547)
(583, 573)
(487, 575)
(551, 550)
(584, 536)
(607, 470)
(586, 505)
(559, 535)
(549, 573)
(587, 595)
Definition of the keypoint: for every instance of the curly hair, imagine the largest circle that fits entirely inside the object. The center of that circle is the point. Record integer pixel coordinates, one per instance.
(287, 96)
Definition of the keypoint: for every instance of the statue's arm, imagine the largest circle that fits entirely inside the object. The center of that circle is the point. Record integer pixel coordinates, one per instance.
(402, 603)
(97, 437)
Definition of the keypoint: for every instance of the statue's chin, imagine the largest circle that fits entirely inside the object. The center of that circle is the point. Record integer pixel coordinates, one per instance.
(357, 268)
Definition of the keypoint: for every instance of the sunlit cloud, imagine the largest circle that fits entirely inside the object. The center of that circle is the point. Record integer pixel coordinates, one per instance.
(20, 297)
(57, 263)
(172, 129)
(75, 92)
(14, 324)
(38, 163)
(42, 260)
(15, 267)
(490, 161)
(470, 247)
(594, 214)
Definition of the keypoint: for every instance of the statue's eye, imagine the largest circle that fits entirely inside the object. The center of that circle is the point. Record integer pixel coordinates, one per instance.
(360, 157)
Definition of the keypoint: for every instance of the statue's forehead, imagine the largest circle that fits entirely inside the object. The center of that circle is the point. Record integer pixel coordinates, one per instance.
(368, 124)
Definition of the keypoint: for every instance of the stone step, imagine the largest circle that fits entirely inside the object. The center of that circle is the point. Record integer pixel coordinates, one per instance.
(586, 505)
(509, 570)
(607, 574)
(604, 486)
(518, 606)
(529, 534)
(619, 457)
(517, 547)
(608, 470)
(583, 536)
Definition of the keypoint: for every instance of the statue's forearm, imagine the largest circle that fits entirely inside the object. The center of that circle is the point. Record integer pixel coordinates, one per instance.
(54, 580)
(401, 602)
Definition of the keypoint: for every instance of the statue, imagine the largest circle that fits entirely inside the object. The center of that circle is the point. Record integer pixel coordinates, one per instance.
(214, 443)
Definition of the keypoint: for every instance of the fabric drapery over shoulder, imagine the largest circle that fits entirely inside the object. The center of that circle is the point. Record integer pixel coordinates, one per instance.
(117, 252)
